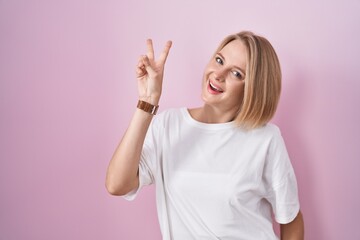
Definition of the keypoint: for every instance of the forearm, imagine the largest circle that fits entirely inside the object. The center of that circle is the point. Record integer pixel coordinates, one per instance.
(122, 171)
(293, 230)
(122, 174)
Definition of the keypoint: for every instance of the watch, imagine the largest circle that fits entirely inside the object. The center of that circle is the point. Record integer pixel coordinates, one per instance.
(147, 107)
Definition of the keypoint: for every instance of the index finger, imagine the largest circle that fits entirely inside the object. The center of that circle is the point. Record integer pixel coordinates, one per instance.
(150, 49)
(165, 52)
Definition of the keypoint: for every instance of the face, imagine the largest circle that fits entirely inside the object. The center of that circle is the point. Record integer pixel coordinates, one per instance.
(224, 77)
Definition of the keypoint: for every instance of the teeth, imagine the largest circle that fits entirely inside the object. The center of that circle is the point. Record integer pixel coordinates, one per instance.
(217, 89)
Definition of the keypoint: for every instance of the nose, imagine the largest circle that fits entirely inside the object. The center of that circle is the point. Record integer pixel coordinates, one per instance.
(220, 75)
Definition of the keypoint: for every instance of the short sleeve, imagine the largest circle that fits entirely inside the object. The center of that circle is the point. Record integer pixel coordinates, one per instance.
(280, 180)
(148, 160)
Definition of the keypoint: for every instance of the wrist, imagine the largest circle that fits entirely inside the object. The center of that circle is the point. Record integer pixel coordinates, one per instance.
(150, 99)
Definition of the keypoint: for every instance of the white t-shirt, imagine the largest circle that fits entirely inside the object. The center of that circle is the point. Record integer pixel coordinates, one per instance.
(217, 181)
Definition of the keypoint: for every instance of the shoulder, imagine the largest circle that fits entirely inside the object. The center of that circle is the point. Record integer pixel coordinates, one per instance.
(167, 116)
(266, 136)
(272, 129)
(169, 113)
(269, 130)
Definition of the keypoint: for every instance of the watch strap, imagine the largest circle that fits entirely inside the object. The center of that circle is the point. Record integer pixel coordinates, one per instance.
(147, 107)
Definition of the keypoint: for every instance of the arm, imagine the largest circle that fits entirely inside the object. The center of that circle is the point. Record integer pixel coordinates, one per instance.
(122, 173)
(293, 230)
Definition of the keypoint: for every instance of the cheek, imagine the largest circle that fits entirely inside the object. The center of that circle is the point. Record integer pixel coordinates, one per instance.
(238, 92)
(204, 79)
(206, 74)
(238, 87)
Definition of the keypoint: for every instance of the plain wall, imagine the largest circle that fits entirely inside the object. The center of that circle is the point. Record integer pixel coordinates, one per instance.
(68, 91)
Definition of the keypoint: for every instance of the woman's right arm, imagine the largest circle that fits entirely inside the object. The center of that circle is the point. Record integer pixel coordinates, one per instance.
(122, 174)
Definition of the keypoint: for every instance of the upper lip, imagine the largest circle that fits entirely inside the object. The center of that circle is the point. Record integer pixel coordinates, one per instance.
(216, 86)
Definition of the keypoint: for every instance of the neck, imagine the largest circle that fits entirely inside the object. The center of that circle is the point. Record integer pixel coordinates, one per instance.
(210, 114)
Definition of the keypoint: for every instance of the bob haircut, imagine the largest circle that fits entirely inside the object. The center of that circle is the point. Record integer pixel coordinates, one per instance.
(262, 81)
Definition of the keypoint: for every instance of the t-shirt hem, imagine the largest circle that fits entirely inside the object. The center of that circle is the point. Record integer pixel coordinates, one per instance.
(130, 196)
(288, 219)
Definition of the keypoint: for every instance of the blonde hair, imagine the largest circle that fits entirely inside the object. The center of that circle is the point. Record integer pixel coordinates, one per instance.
(262, 81)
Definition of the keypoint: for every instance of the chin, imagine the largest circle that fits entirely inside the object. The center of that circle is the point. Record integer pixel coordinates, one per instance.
(208, 99)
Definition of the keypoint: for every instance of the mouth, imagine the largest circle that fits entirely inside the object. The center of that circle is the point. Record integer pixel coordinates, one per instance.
(214, 88)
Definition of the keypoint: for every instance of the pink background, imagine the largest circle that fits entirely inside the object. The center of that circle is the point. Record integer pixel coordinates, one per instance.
(67, 92)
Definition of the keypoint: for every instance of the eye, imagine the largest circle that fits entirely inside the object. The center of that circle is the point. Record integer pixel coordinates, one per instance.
(237, 74)
(219, 60)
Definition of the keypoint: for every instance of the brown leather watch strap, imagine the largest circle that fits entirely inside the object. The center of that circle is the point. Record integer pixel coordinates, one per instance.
(147, 107)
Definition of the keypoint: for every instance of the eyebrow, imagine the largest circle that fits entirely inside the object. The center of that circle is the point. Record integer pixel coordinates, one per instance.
(242, 70)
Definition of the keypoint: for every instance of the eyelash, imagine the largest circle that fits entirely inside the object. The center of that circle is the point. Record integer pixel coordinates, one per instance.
(236, 73)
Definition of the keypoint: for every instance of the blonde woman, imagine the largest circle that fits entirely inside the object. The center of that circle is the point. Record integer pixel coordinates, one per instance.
(221, 170)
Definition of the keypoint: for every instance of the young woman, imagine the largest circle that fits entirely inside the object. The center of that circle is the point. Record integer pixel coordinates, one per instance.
(221, 170)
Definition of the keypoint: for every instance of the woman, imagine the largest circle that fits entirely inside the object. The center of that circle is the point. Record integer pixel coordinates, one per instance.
(220, 170)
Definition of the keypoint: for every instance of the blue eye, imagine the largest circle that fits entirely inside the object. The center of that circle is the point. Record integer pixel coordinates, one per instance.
(219, 60)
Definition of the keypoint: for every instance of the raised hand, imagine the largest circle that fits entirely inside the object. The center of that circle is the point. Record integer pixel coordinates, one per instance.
(150, 72)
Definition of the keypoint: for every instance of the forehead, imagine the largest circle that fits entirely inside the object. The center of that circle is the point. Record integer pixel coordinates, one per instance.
(235, 53)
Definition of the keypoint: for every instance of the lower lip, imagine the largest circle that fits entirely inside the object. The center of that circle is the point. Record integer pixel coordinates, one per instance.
(212, 91)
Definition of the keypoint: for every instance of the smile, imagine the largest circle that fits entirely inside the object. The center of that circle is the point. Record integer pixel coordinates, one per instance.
(215, 88)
